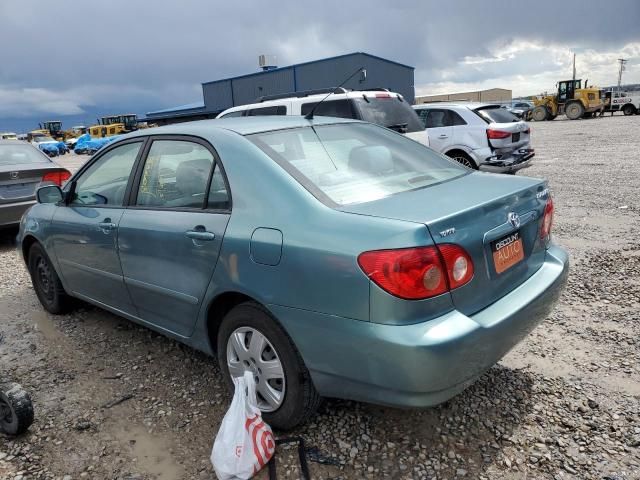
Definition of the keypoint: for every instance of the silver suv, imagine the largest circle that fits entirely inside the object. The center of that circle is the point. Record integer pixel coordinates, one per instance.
(479, 135)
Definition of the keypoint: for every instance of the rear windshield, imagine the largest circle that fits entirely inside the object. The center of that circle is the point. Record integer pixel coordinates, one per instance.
(20, 155)
(495, 114)
(389, 112)
(355, 162)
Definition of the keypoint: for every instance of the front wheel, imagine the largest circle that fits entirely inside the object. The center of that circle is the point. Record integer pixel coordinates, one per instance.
(46, 282)
(251, 340)
(540, 113)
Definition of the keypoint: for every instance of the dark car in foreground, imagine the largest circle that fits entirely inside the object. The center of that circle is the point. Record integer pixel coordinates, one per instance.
(23, 168)
(328, 257)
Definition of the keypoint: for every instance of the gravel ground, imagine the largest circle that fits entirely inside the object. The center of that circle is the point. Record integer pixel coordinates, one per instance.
(564, 404)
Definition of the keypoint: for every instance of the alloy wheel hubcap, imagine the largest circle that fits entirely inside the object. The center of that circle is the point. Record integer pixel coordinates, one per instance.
(249, 350)
(464, 161)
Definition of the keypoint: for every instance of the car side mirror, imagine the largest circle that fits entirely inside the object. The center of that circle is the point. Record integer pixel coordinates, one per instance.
(49, 194)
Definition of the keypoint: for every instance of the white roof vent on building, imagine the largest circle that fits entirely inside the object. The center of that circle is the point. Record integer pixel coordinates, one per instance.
(267, 62)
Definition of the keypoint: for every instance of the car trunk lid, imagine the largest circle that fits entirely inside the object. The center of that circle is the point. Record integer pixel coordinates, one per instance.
(474, 212)
(19, 182)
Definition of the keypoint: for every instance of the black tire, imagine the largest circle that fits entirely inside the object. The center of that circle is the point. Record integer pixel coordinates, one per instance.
(574, 110)
(540, 113)
(301, 399)
(46, 282)
(462, 158)
(628, 109)
(18, 410)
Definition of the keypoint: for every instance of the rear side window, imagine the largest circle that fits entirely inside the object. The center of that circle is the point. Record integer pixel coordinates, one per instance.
(388, 111)
(495, 114)
(274, 110)
(330, 108)
(176, 175)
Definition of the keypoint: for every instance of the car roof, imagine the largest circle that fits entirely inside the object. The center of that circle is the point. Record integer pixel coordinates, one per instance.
(241, 125)
(469, 105)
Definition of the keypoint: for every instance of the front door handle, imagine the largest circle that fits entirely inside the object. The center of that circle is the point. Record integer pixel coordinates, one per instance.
(200, 234)
(443, 136)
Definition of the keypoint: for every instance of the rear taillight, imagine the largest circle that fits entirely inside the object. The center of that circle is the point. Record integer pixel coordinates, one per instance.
(497, 134)
(547, 220)
(459, 264)
(57, 177)
(418, 273)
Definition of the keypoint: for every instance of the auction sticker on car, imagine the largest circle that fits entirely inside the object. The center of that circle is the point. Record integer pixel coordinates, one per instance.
(507, 251)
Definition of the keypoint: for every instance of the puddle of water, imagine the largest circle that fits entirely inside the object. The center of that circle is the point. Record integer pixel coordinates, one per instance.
(152, 454)
(46, 327)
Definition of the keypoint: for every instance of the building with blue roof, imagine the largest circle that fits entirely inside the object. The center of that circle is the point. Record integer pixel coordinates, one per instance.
(218, 95)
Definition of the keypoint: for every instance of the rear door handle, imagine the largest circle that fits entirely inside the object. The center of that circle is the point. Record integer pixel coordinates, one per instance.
(443, 136)
(107, 225)
(200, 235)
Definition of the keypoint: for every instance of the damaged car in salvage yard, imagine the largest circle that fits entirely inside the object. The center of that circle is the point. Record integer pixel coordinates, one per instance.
(328, 257)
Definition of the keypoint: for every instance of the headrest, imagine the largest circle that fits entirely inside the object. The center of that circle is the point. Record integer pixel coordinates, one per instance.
(372, 160)
(192, 176)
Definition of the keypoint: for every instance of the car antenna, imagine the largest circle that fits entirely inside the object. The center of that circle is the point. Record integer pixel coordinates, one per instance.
(309, 116)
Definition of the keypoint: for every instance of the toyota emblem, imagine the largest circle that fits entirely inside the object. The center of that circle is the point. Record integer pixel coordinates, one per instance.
(514, 219)
(14, 175)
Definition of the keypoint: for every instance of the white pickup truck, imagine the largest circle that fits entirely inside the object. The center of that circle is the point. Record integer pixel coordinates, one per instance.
(625, 102)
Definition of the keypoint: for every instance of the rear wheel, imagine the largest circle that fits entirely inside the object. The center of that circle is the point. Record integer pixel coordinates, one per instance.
(574, 110)
(628, 109)
(462, 158)
(250, 339)
(46, 282)
(540, 113)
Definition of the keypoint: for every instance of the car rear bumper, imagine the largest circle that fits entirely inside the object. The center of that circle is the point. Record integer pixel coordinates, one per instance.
(11, 213)
(427, 363)
(517, 161)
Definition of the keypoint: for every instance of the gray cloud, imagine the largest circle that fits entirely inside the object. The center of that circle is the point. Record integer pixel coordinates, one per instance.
(153, 54)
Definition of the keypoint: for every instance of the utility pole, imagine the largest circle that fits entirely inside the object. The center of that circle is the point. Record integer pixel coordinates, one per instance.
(574, 68)
(620, 70)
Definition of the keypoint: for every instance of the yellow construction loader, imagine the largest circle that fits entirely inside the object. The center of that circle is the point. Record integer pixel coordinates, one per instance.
(571, 100)
(114, 125)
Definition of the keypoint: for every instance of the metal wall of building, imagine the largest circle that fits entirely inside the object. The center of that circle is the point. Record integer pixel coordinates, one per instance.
(326, 73)
(247, 89)
(217, 95)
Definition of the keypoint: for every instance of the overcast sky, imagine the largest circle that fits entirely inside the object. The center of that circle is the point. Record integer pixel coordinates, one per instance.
(140, 55)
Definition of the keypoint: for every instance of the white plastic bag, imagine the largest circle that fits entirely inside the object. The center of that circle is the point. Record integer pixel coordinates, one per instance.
(244, 444)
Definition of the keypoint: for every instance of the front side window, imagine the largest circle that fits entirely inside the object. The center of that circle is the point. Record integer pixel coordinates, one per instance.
(355, 162)
(274, 110)
(330, 108)
(175, 175)
(105, 181)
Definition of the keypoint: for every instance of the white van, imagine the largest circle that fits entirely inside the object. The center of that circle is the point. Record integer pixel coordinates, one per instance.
(378, 106)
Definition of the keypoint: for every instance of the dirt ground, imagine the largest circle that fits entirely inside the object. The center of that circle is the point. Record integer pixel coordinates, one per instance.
(564, 404)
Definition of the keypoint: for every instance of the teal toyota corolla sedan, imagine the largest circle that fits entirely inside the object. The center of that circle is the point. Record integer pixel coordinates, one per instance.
(329, 257)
